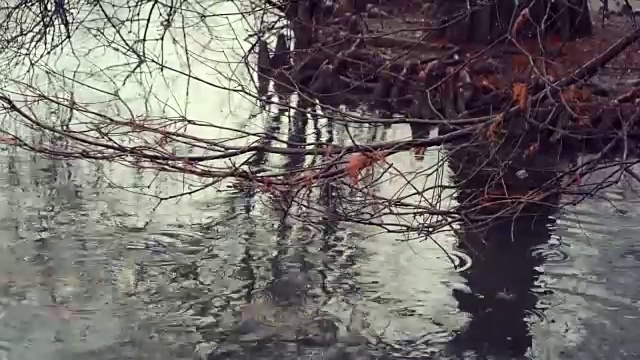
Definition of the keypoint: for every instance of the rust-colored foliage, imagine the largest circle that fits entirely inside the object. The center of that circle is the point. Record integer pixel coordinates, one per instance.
(360, 161)
(582, 112)
(493, 134)
(520, 95)
(576, 95)
(356, 164)
(520, 22)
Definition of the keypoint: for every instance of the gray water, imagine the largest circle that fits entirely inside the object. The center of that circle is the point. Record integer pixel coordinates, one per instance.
(93, 272)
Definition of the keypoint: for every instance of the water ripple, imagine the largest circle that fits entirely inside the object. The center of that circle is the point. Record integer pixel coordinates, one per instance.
(462, 261)
(550, 254)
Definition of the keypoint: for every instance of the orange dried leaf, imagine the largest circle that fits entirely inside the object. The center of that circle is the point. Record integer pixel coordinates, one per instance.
(357, 162)
(520, 95)
(520, 21)
(494, 129)
(573, 94)
(584, 95)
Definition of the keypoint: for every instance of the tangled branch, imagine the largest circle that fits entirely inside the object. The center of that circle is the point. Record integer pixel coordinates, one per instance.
(515, 107)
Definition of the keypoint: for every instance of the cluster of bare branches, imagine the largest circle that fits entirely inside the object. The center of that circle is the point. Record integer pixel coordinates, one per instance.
(497, 117)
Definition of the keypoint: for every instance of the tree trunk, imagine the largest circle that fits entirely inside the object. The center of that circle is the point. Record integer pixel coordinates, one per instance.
(484, 21)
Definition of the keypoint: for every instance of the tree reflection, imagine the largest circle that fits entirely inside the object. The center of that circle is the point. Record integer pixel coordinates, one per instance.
(500, 239)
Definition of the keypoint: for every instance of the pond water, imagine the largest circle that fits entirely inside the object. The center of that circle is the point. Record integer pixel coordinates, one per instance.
(93, 266)
(90, 271)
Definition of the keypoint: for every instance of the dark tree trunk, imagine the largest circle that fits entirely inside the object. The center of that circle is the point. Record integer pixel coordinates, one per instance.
(484, 21)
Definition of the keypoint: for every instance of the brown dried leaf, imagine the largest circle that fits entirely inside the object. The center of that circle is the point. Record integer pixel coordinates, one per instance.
(577, 95)
(359, 161)
(520, 95)
(520, 21)
(494, 130)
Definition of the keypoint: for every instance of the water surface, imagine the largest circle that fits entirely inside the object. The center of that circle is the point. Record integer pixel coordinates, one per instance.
(90, 271)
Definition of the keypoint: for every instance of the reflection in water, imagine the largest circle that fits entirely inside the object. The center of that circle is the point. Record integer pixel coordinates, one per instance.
(81, 279)
(273, 128)
(505, 248)
(296, 140)
(500, 282)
